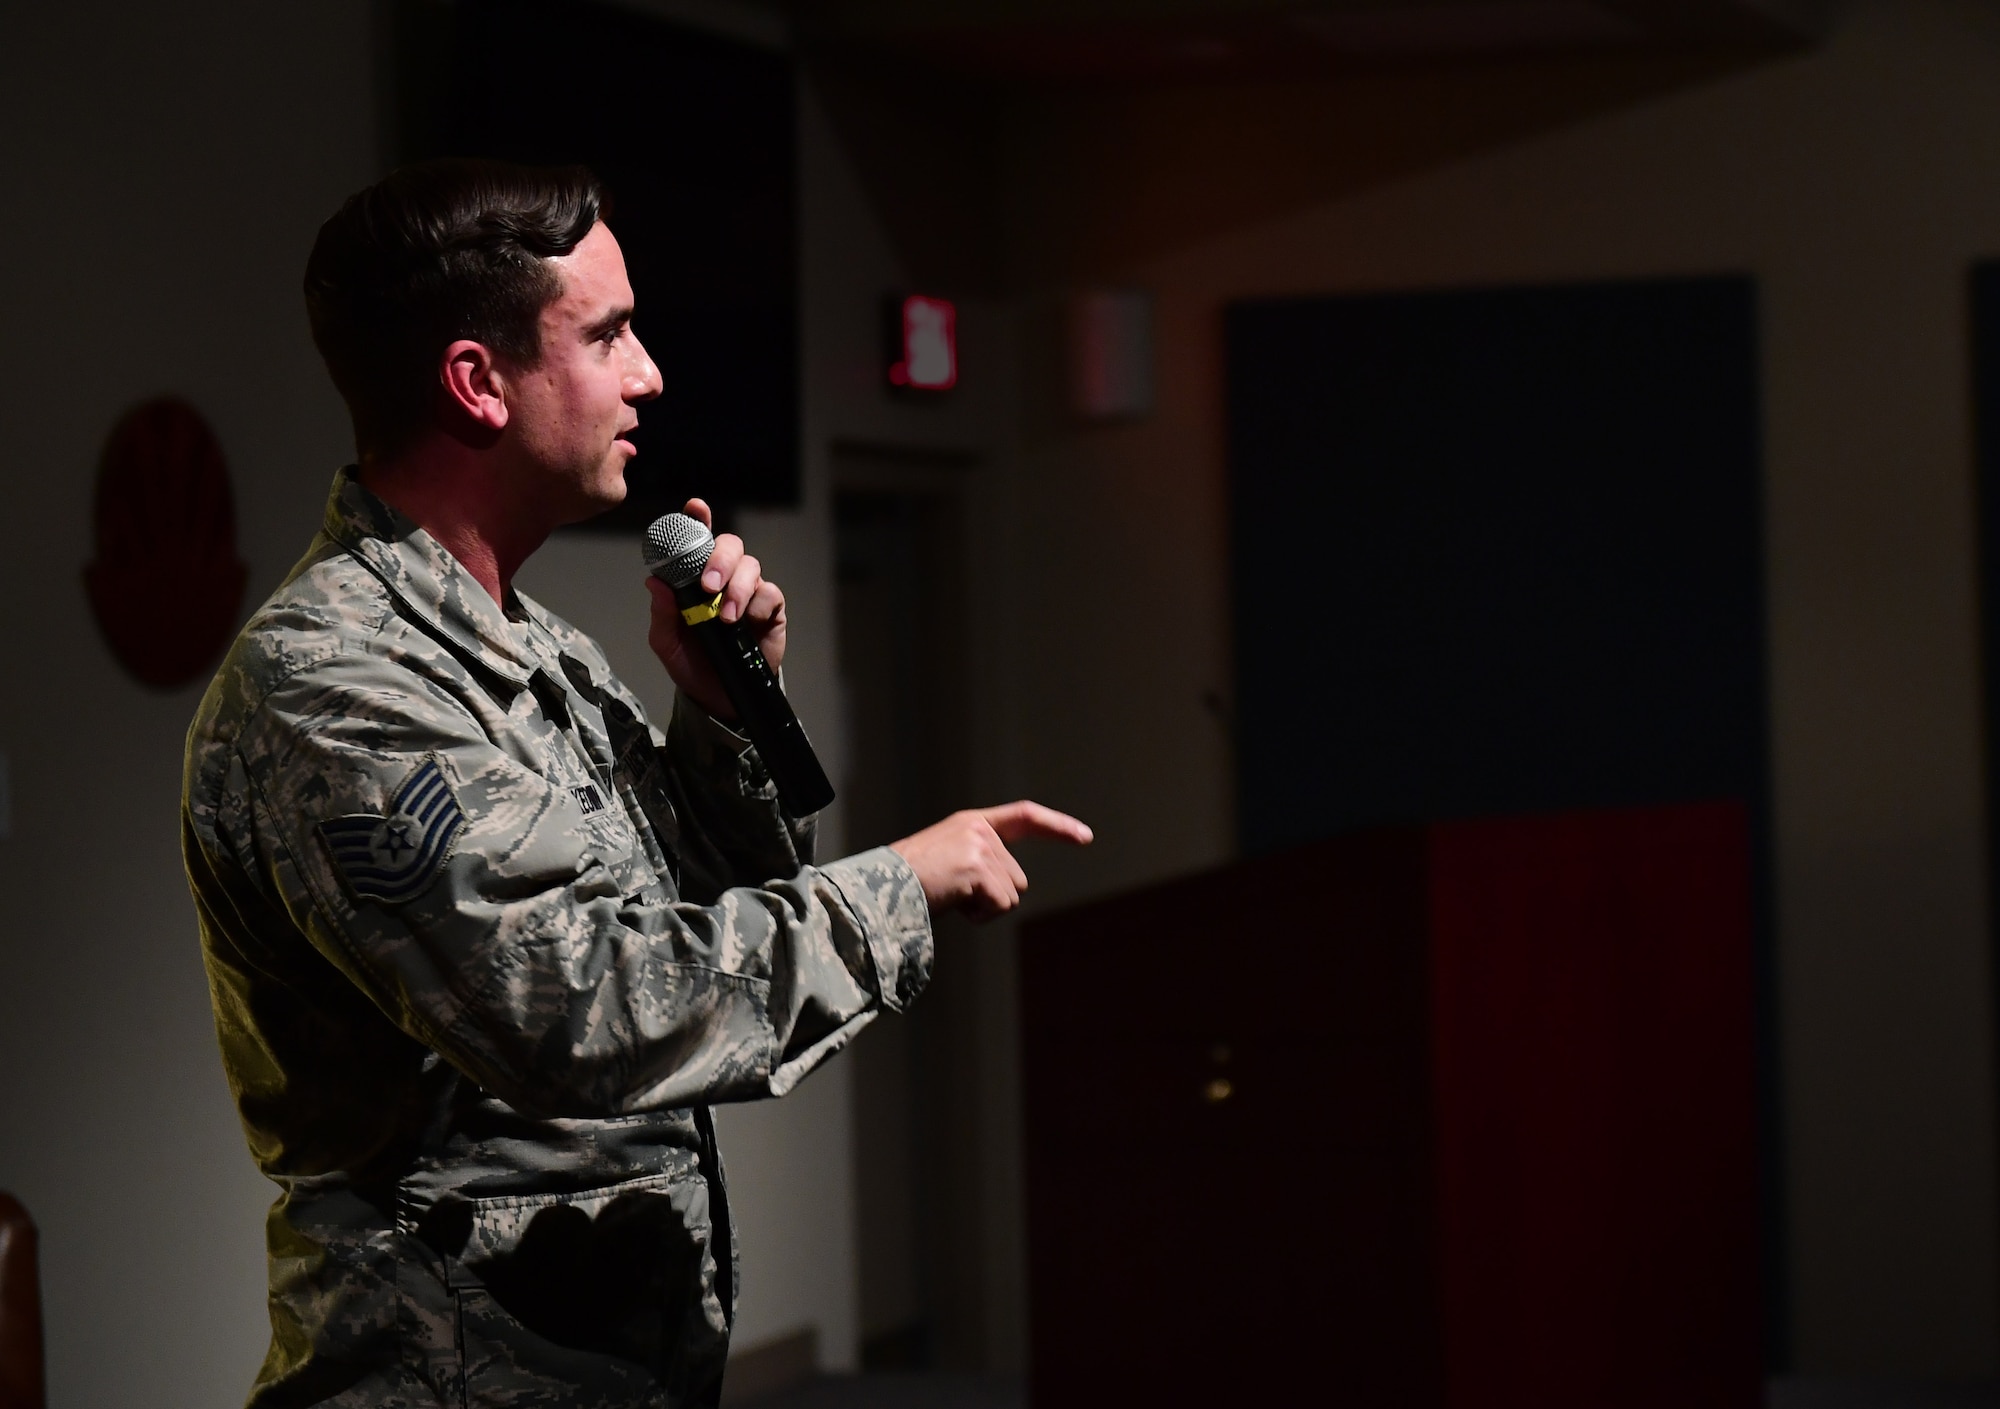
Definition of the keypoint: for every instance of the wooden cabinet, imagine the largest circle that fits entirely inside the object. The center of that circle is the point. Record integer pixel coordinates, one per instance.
(1461, 1116)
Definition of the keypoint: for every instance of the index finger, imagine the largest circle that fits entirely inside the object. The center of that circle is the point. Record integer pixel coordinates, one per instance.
(722, 562)
(698, 509)
(1020, 819)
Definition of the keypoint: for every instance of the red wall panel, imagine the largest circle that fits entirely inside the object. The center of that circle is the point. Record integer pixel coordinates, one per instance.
(1593, 1057)
(1488, 1137)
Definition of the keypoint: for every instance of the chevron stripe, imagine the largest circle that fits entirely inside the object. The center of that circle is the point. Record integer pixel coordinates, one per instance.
(392, 860)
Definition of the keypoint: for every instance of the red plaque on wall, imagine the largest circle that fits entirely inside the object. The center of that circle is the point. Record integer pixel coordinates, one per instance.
(166, 581)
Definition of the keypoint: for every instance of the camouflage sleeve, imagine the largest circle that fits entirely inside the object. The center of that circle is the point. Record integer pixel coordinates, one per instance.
(488, 914)
(736, 833)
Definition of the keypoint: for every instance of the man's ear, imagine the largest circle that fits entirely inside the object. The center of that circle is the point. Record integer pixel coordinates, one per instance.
(474, 386)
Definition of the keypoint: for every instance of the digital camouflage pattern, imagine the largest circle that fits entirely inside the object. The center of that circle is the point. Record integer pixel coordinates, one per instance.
(483, 945)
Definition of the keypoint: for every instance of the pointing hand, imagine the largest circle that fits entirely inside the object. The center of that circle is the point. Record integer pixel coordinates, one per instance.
(964, 863)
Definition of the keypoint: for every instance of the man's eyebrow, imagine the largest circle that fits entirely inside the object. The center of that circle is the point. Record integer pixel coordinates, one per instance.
(616, 318)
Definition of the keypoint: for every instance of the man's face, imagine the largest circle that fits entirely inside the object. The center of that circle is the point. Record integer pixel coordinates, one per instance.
(570, 411)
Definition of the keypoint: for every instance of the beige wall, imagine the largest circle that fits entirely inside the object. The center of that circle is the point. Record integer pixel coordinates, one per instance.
(165, 169)
(1857, 184)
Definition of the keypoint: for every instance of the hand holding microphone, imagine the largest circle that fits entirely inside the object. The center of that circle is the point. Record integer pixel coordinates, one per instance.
(719, 628)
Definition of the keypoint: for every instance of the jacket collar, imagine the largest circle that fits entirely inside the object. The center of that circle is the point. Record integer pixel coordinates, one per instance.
(425, 578)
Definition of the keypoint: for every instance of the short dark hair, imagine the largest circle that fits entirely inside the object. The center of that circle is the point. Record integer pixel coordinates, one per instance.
(430, 254)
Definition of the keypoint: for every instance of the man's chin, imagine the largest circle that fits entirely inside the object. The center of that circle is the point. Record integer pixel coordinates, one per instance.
(600, 496)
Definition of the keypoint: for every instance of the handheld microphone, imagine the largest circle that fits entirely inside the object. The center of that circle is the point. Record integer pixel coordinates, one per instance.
(677, 552)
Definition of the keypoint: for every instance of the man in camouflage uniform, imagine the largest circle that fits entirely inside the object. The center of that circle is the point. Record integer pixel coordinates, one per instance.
(484, 944)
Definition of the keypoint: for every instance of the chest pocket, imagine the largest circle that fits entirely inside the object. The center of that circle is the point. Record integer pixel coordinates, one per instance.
(616, 841)
(631, 767)
(584, 763)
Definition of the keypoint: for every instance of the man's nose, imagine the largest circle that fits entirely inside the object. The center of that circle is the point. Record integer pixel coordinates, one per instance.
(642, 378)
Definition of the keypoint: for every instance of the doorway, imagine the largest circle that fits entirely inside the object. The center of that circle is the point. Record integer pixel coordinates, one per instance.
(899, 536)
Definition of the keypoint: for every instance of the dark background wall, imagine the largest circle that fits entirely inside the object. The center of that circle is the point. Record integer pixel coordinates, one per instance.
(1494, 551)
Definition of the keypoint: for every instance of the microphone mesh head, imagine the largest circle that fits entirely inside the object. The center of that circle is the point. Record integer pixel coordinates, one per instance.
(677, 549)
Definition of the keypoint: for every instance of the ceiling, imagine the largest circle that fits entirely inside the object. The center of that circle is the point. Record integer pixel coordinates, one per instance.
(1094, 41)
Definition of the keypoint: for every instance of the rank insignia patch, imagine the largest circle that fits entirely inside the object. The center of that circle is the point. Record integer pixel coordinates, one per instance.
(391, 859)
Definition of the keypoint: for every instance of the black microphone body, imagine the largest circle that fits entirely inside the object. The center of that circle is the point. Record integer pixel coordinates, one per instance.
(677, 552)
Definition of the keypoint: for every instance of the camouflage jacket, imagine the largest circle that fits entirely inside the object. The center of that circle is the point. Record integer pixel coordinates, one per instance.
(483, 944)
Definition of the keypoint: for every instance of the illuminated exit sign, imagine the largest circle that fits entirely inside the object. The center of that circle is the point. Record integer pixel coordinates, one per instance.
(923, 352)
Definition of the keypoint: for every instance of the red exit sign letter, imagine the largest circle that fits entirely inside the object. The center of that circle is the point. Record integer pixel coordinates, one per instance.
(924, 356)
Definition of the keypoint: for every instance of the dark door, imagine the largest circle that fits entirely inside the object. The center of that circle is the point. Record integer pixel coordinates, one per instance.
(1228, 1120)
(921, 1144)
